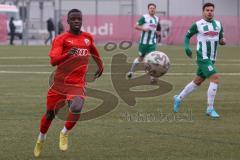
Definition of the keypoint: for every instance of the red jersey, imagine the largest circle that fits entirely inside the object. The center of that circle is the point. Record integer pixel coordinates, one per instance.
(71, 69)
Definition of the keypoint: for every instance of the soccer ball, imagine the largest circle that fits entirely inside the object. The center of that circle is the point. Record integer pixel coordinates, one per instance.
(156, 63)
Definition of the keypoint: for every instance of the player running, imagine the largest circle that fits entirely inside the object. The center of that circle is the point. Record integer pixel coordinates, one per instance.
(148, 24)
(70, 53)
(209, 34)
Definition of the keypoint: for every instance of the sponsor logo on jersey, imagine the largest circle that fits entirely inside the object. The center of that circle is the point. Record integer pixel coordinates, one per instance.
(211, 33)
(82, 52)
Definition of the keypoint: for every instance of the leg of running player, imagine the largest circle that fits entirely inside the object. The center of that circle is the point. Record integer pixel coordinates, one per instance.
(75, 107)
(54, 103)
(211, 93)
(153, 80)
(134, 65)
(189, 88)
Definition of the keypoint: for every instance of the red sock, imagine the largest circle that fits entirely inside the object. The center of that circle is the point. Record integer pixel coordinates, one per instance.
(45, 124)
(71, 120)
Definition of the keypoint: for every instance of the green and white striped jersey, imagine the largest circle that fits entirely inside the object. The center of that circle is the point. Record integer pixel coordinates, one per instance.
(150, 22)
(208, 36)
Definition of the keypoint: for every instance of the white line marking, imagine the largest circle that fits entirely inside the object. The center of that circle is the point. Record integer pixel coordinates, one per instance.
(24, 57)
(192, 74)
(23, 72)
(108, 73)
(219, 64)
(43, 65)
(24, 65)
(129, 58)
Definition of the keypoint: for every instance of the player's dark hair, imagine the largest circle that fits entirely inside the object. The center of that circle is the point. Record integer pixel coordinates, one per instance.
(74, 10)
(208, 5)
(152, 4)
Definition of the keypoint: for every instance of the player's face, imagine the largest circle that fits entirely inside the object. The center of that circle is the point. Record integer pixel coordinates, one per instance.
(208, 13)
(75, 21)
(152, 10)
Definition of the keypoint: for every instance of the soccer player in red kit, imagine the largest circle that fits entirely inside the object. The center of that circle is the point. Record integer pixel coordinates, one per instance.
(70, 53)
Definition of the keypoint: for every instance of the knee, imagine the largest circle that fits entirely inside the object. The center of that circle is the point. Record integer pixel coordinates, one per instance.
(50, 114)
(198, 80)
(76, 105)
(215, 78)
(76, 109)
(140, 59)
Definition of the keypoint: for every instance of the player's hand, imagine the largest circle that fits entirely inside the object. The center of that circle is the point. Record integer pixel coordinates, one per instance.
(98, 73)
(159, 38)
(145, 29)
(73, 51)
(222, 41)
(188, 52)
(158, 33)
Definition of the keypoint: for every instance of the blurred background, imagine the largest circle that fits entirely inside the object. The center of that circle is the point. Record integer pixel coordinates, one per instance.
(110, 20)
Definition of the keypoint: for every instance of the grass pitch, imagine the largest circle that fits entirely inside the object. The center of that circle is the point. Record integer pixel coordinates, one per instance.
(126, 133)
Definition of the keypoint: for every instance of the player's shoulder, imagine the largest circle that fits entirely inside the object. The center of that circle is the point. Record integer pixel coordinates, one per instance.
(156, 17)
(218, 22)
(200, 22)
(61, 36)
(145, 15)
(87, 35)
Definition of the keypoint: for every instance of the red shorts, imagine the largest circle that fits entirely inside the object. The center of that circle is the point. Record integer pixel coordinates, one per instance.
(57, 100)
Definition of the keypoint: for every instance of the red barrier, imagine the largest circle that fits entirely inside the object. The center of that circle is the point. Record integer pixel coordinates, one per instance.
(174, 28)
(3, 29)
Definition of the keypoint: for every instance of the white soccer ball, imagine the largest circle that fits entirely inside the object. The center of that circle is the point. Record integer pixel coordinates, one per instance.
(156, 63)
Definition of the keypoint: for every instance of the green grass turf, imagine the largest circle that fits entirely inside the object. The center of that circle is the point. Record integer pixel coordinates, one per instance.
(115, 136)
